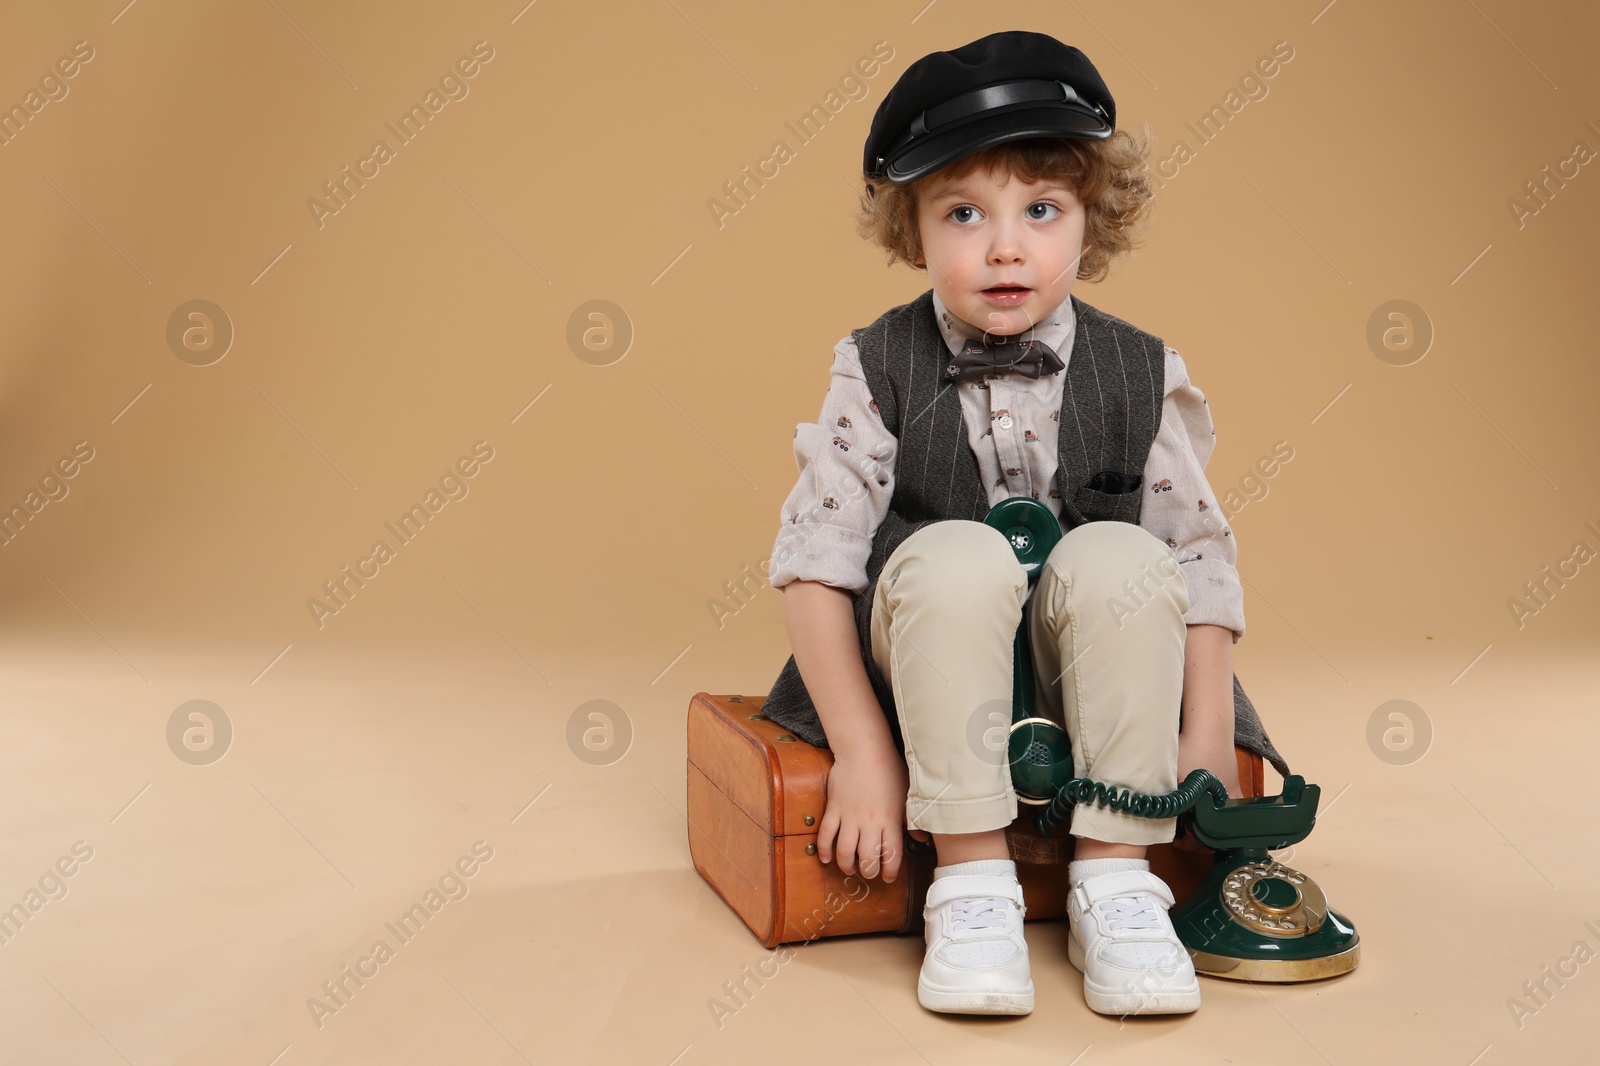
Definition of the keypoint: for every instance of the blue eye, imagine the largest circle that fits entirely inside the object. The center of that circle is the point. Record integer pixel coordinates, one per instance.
(1050, 209)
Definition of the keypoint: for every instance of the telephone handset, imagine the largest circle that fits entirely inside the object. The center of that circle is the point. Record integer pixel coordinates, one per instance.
(1252, 918)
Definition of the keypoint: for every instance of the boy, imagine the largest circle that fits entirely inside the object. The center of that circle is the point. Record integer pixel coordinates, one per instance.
(998, 169)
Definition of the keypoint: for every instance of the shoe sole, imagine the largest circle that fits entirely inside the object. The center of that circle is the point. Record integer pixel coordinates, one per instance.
(1104, 1001)
(971, 1001)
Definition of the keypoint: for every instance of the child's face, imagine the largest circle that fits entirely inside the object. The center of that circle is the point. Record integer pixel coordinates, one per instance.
(978, 233)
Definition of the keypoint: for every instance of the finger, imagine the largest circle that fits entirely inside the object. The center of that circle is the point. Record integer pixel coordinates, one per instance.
(891, 862)
(871, 852)
(825, 834)
(848, 836)
(922, 835)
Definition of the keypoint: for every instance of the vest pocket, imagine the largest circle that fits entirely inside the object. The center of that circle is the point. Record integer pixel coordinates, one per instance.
(1098, 506)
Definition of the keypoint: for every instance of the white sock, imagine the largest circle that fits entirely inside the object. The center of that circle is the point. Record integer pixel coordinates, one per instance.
(1080, 869)
(988, 867)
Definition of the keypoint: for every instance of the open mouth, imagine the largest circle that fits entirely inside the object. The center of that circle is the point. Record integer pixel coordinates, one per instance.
(1008, 288)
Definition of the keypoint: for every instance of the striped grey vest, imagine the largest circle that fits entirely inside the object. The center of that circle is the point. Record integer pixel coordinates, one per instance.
(1110, 410)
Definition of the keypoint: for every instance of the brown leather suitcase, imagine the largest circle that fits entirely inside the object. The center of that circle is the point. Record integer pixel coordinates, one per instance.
(756, 794)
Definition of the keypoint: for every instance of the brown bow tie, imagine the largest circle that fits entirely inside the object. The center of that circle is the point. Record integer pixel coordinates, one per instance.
(1004, 355)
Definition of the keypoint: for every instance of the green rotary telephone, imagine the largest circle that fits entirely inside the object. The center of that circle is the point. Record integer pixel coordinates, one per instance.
(1252, 917)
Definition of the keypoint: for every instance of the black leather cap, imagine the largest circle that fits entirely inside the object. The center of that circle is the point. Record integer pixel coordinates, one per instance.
(1003, 87)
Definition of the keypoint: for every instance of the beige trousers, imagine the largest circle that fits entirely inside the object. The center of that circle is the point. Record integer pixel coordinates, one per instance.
(1105, 622)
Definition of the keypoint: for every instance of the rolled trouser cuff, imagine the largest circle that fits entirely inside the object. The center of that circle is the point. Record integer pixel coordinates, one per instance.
(963, 815)
(1117, 827)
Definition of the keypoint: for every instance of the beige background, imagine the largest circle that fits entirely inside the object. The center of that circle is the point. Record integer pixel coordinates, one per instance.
(371, 353)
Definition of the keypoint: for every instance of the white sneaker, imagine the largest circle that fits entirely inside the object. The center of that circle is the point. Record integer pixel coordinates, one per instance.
(977, 958)
(1123, 940)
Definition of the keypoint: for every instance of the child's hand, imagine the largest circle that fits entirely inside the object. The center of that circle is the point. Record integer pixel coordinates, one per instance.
(1195, 753)
(867, 812)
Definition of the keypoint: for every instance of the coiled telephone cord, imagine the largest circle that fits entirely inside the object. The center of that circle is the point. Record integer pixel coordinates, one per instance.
(1167, 805)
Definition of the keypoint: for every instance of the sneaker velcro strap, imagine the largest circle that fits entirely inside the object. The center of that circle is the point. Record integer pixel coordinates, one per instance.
(1123, 883)
(958, 886)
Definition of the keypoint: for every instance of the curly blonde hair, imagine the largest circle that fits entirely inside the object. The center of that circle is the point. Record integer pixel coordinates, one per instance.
(1110, 177)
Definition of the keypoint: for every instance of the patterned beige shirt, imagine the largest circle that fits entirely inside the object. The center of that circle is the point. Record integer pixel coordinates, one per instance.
(843, 492)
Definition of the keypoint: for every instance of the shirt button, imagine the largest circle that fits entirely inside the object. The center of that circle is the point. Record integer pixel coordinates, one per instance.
(1004, 421)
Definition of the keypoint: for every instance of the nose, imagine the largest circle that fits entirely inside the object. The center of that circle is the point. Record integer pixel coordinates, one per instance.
(1005, 246)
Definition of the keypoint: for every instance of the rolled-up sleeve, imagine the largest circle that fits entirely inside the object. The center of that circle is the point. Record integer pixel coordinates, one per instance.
(846, 464)
(1181, 509)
